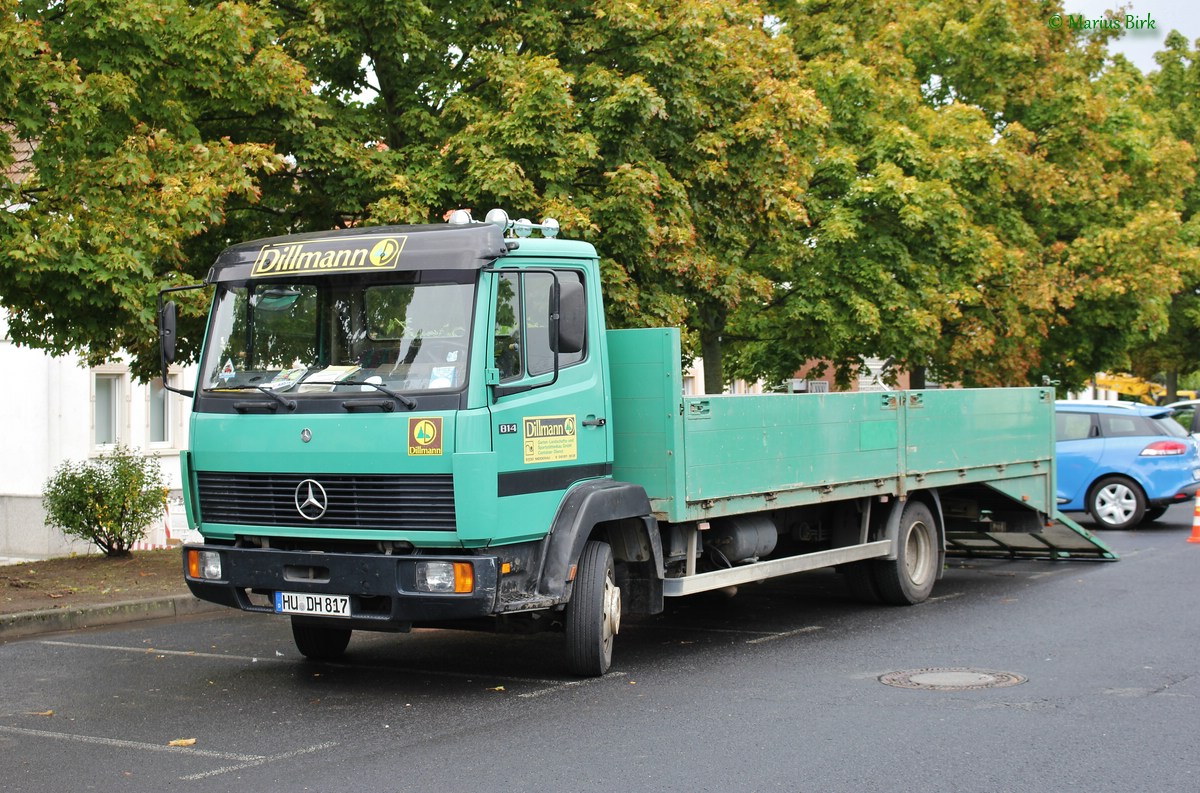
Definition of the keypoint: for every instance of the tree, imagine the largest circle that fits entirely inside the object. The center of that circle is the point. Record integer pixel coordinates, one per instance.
(140, 116)
(1176, 96)
(674, 135)
(990, 201)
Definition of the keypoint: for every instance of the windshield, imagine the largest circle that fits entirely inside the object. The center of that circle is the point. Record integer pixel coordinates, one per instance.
(313, 336)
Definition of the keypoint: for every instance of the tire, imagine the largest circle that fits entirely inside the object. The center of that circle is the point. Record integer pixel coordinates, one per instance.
(860, 580)
(319, 642)
(593, 615)
(1153, 514)
(1116, 503)
(909, 579)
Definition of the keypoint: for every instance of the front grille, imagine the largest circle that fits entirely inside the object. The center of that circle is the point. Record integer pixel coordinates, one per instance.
(361, 501)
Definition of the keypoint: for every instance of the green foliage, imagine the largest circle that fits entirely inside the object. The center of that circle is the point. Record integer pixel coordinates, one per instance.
(109, 501)
(136, 115)
(992, 200)
(946, 183)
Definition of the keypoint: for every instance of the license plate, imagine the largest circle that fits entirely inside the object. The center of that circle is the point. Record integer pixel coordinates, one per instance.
(308, 603)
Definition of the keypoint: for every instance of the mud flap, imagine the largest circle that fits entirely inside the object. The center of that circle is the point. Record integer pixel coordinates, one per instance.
(1061, 538)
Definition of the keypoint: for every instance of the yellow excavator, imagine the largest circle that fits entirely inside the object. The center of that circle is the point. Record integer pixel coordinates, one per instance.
(1144, 391)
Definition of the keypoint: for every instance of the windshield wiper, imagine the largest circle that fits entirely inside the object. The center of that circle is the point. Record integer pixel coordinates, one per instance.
(290, 404)
(408, 402)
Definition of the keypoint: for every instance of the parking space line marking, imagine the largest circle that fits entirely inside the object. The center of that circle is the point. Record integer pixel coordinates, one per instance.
(568, 685)
(243, 760)
(785, 634)
(156, 651)
(118, 743)
(259, 761)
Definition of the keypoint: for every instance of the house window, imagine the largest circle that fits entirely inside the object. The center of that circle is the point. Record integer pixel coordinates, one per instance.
(106, 408)
(159, 413)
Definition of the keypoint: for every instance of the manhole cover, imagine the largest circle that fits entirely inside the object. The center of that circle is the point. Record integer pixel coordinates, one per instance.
(950, 679)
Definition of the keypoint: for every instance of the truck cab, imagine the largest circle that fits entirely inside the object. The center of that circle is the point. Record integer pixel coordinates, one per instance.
(385, 423)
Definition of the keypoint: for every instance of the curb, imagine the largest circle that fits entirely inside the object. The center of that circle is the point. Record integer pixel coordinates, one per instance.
(31, 623)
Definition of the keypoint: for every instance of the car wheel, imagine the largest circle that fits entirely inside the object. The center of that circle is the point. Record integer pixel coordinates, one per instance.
(1116, 503)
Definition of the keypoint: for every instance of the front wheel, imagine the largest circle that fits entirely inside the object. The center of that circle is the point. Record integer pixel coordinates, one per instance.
(318, 642)
(909, 579)
(593, 615)
(1116, 503)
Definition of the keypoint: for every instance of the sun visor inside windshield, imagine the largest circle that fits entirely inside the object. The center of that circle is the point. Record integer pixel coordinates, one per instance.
(367, 250)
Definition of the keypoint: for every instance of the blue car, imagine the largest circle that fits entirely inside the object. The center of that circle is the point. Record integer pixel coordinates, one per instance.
(1123, 463)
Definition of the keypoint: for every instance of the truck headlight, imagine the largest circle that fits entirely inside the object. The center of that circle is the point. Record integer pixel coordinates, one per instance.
(445, 577)
(204, 564)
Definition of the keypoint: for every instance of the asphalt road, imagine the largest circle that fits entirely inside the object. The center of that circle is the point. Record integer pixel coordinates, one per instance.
(775, 689)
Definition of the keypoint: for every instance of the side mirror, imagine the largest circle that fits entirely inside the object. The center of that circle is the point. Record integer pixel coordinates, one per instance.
(166, 336)
(572, 318)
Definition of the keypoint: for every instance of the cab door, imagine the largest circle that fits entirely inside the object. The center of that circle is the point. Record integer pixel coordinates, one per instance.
(549, 423)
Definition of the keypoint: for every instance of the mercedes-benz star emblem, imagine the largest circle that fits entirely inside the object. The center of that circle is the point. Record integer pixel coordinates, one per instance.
(306, 435)
(311, 500)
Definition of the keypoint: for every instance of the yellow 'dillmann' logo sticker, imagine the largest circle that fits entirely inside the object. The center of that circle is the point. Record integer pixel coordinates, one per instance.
(549, 439)
(425, 437)
(344, 255)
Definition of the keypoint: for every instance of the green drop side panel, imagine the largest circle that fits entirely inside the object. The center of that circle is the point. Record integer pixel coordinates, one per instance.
(700, 457)
(741, 446)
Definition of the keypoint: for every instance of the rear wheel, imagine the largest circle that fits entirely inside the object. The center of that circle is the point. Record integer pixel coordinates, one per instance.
(1116, 503)
(593, 615)
(909, 579)
(860, 580)
(319, 642)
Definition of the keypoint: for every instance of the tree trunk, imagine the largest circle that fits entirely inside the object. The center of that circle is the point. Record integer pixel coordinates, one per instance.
(712, 318)
(1172, 386)
(710, 351)
(916, 377)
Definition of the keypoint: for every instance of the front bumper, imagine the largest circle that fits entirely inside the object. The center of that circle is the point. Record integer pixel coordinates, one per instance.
(382, 589)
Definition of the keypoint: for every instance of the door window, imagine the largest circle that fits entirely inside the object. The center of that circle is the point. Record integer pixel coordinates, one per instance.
(521, 337)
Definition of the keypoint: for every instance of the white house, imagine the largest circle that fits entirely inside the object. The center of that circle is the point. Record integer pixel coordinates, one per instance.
(54, 409)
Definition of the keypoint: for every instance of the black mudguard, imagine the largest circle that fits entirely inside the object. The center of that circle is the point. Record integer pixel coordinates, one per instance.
(632, 533)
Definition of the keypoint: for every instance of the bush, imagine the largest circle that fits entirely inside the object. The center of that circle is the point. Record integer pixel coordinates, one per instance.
(110, 500)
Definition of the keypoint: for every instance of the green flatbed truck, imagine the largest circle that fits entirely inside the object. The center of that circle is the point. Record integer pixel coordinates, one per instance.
(430, 426)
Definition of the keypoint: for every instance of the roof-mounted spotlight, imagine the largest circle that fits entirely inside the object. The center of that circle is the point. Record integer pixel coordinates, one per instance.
(523, 227)
(549, 228)
(498, 218)
(459, 217)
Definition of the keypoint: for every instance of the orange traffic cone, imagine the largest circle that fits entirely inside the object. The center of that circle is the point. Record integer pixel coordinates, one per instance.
(1196, 521)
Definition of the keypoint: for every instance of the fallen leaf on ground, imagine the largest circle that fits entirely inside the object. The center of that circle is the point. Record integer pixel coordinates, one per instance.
(183, 742)
(497, 688)
(43, 713)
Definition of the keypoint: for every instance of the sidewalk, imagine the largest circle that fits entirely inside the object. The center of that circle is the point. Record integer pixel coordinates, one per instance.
(32, 623)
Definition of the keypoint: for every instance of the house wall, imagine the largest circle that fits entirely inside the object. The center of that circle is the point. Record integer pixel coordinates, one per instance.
(48, 410)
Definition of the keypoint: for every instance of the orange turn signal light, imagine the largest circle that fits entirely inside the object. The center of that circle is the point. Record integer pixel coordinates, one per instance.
(464, 577)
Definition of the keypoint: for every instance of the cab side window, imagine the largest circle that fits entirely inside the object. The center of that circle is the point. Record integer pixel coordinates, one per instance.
(521, 337)
(507, 333)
